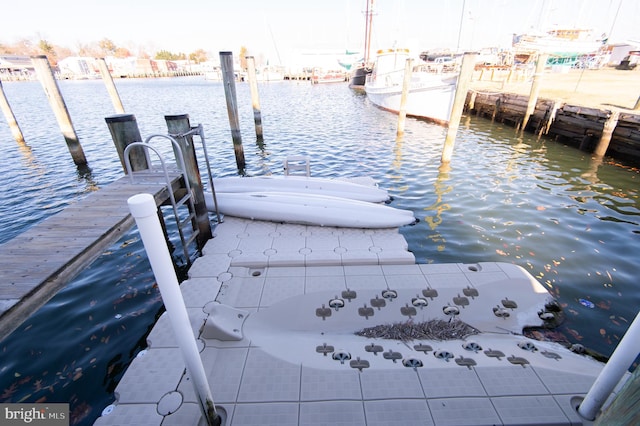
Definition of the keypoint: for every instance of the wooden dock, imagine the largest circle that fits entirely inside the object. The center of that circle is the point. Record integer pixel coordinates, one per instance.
(594, 110)
(41, 261)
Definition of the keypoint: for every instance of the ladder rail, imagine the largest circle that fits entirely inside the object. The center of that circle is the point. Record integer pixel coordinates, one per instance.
(296, 163)
(199, 130)
(146, 145)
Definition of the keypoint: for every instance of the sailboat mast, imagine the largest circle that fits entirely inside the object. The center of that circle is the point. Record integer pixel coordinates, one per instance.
(367, 31)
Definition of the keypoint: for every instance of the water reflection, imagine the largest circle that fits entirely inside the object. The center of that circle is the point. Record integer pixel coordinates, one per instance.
(26, 151)
(397, 155)
(85, 174)
(439, 206)
(591, 174)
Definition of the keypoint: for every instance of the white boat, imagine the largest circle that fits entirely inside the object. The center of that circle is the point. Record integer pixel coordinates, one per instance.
(558, 42)
(270, 74)
(302, 184)
(430, 94)
(308, 209)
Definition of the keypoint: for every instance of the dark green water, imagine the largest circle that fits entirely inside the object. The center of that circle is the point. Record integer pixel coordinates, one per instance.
(571, 221)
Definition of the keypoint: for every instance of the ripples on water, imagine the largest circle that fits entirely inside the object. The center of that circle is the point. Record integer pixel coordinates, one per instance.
(570, 221)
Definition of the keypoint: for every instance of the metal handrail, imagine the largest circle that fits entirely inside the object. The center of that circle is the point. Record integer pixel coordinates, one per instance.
(181, 165)
(199, 130)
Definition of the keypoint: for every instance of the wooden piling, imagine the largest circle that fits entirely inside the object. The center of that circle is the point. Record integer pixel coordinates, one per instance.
(535, 88)
(124, 131)
(466, 72)
(255, 99)
(607, 131)
(10, 117)
(510, 75)
(51, 89)
(111, 87)
(178, 125)
(551, 117)
(496, 109)
(228, 78)
(406, 82)
(472, 101)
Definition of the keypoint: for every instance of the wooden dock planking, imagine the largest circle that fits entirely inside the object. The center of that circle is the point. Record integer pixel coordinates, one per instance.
(39, 262)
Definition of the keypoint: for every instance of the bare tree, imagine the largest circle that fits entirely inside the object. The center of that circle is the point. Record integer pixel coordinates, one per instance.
(198, 56)
(108, 47)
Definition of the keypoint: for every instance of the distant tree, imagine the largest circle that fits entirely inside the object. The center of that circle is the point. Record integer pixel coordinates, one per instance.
(122, 52)
(90, 50)
(49, 51)
(108, 47)
(25, 47)
(63, 52)
(198, 56)
(46, 47)
(164, 54)
(169, 56)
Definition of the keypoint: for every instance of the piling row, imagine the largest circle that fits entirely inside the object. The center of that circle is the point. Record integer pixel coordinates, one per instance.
(611, 132)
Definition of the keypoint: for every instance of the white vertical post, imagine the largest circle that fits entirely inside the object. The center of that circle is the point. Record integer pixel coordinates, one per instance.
(143, 209)
(466, 72)
(623, 356)
(406, 83)
(255, 98)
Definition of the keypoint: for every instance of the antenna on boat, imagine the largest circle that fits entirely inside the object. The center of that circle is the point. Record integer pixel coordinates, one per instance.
(367, 30)
(460, 29)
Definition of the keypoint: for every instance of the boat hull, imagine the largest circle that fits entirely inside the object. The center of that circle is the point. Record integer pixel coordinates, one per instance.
(359, 77)
(302, 184)
(309, 209)
(430, 94)
(430, 97)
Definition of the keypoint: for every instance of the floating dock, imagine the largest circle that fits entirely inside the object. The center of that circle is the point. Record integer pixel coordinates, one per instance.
(275, 309)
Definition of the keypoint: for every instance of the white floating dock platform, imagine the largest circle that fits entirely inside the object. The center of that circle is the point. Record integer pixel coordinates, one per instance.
(275, 308)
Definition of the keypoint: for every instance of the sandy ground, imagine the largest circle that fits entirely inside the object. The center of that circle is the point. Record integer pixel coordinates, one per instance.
(603, 89)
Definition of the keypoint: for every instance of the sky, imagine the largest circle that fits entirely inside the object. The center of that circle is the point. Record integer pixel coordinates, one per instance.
(276, 28)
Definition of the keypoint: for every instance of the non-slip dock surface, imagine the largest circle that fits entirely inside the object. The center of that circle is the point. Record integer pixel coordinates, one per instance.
(275, 308)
